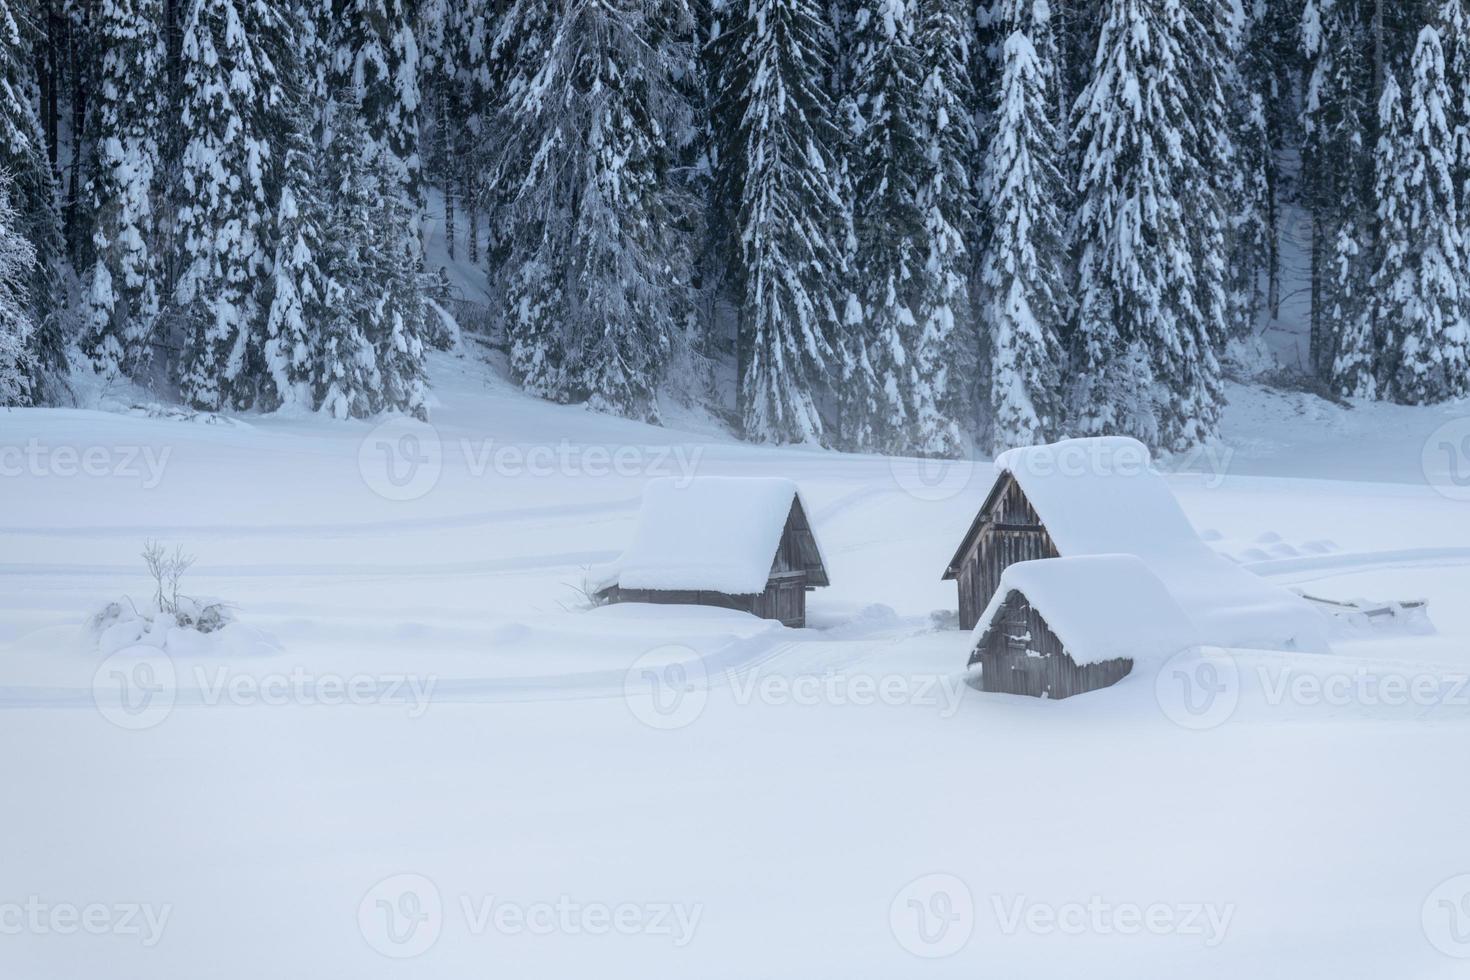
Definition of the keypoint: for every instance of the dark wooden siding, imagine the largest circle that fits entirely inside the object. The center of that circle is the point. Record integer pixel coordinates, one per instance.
(795, 569)
(1011, 531)
(1020, 654)
(784, 599)
(723, 600)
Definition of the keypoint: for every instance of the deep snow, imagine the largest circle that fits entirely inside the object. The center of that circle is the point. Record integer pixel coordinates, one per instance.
(443, 752)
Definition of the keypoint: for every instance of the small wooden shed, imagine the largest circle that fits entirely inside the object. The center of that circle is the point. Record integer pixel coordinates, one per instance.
(1059, 627)
(1102, 496)
(734, 542)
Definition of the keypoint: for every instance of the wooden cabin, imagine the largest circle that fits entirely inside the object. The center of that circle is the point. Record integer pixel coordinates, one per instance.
(735, 543)
(1060, 627)
(1081, 497)
(1006, 531)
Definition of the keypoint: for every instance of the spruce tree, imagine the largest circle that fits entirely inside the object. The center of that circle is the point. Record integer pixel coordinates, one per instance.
(599, 254)
(369, 351)
(376, 60)
(946, 349)
(17, 262)
(1024, 267)
(780, 155)
(298, 289)
(1336, 179)
(1359, 369)
(121, 289)
(1424, 265)
(1150, 240)
(227, 83)
(33, 195)
(888, 219)
(1261, 86)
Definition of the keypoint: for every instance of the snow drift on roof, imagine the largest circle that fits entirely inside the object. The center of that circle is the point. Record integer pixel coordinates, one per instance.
(1102, 496)
(715, 534)
(1102, 607)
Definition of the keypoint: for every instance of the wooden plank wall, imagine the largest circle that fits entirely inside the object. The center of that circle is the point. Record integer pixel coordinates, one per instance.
(1012, 532)
(1023, 656)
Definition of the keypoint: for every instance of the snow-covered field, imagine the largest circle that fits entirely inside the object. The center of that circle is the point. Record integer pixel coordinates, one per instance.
(419, 754)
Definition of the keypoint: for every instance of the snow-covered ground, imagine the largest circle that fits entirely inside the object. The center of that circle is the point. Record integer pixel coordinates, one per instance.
(418, 752)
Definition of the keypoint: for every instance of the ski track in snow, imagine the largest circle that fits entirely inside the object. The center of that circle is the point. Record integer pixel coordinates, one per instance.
(721, 667)
(1313, 568)
(488, 566)
(350, 529)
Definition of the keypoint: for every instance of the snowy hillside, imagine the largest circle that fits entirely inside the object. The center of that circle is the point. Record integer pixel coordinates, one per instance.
(417, 752)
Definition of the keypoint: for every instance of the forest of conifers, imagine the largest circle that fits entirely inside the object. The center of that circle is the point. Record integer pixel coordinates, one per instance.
(905, 226)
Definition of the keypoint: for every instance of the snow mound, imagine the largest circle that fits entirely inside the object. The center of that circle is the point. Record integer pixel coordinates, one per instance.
(1103, 497)
(1102, 607)
(714, 534)
(198, 627)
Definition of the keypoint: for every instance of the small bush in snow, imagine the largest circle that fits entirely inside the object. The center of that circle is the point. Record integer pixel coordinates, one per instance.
(170, 608)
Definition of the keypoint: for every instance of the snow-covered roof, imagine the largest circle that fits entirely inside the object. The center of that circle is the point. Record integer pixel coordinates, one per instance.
(1102, 496)
(715, 534)
(1102, 607)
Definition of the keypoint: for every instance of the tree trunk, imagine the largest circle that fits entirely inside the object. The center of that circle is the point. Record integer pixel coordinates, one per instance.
(472, 214)
(446, 146)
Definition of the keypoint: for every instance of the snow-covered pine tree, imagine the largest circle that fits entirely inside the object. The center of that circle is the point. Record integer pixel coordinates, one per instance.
(1150, 266)
(776, 117)
(121, 291)
(376, 60)
(298, 288)
(1424, 266)
(887, 164)
(1335, 180)
(1025, 264)
(1262, 86)
(227, 85)
(455, 43)
(33, 196)
(368, 349)
(946, 348)
(1359, 369)
(1452, 20)
(600, 260)
(17, 260)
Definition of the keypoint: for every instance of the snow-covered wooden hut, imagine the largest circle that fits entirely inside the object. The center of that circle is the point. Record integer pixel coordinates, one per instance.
(735, 542)
(1099, 497)
(1064, 626)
